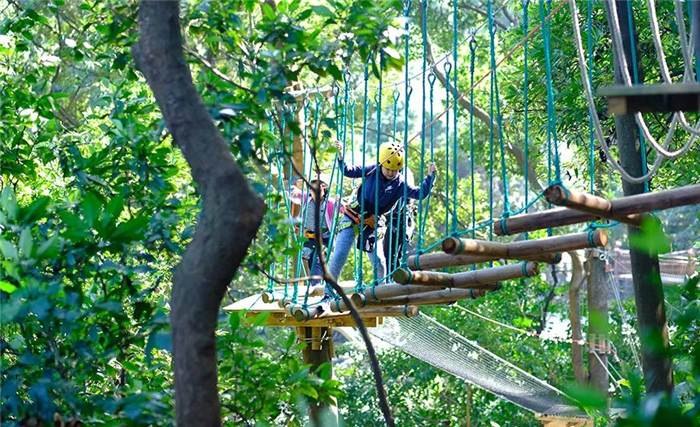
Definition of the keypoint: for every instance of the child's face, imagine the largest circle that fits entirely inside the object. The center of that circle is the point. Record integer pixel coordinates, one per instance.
(389, 173)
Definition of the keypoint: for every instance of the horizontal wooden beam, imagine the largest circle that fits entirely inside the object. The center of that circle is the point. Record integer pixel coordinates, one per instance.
(469, 279)
(650, 98)
(430, 298)
(329, 309)
(435, 260)
(286, 320)
(622, 207)
(524, 248)
(598, 206)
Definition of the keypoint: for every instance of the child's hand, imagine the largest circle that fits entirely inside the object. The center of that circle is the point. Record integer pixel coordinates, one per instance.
(339, 145)
(433, 169)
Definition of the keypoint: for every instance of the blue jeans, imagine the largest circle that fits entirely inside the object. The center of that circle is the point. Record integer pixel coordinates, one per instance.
(343, 244)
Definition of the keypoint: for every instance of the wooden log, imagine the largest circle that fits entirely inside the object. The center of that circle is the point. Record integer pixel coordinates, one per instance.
(437, 260)
(482, 279)
(325, 310)
(405, 311)
(381, 292)
(405, 276)
(598, 206)
(525, 248)
(469, 279)
(660, 200)
(437, 297)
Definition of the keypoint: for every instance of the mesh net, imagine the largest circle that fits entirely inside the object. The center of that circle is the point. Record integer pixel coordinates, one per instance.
(430, 341)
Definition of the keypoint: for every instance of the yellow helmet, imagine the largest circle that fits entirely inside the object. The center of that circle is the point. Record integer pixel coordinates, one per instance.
(391, 155)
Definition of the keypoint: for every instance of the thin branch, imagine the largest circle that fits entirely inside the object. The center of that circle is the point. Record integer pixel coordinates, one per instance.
(216, 71)
(283, 281)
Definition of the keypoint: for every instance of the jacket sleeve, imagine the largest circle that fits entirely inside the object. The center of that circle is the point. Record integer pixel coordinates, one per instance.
(415, 192)
(354, 171)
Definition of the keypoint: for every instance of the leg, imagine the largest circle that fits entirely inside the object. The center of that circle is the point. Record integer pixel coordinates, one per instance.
(341, 250)
(378, 262)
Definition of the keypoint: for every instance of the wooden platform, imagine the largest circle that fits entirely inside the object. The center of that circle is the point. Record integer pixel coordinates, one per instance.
(652, 98)
(254, 306)
(558, 421)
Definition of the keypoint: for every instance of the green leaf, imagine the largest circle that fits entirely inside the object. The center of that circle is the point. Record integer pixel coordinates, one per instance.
(91, 208)
(260, 319)
(48, 249)
(130, 230)
(8, 201)
(7, 287)
(76, 228)
(112, 211)
(309, 391)
(323, 11)
(651, 238)
(35, 210)
(8, 250)
(25, 243)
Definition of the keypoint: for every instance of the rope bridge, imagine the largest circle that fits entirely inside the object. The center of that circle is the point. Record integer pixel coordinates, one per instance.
(407, 283)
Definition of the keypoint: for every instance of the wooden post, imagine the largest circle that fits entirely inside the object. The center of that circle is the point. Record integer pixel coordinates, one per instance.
(648, 291)
(525, 248)
(578, 277)
(598, 206)
(597, 322)
(632, 203)
(319, 350)
(437, 260)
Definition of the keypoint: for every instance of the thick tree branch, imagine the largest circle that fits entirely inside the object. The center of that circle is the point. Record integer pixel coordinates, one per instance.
(231, 214)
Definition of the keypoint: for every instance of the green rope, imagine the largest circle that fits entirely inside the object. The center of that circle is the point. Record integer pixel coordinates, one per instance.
(551, 119)
(526, 122)
(422, 214)
(408, 90)
(472, 57)
(591, 131)
(424, 29)
(499, 119)
(378, 101)
(358, 265)
(454, 119)
(448, 71)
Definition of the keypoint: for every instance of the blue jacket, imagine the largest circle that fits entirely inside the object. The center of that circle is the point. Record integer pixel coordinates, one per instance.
(390, 191)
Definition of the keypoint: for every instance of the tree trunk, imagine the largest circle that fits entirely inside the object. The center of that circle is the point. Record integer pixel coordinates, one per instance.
(319, 350)
(648, 292)
(231, 214)
(577, 278)
(597, 322)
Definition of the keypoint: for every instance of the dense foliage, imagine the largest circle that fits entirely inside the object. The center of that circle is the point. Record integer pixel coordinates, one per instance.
(97, 206)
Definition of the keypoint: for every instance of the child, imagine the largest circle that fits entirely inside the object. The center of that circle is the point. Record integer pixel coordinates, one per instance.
(309, 252)
(384, 183)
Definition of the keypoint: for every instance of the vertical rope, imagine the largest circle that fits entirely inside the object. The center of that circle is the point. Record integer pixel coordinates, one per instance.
(423, 213)
(499, 119)
(526, 122)
(378, 101)
(424, 28)
(551, 122)
(454, 119)
(358, 266)
(408, 90)
(472, 58)
(448, 71)
(591, 134)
